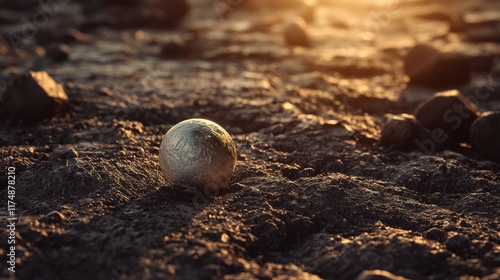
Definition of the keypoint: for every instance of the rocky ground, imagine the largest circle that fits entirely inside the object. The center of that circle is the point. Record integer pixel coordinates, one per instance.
(315, 195)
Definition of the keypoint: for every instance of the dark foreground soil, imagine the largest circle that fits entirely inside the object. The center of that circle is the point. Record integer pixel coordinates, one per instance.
(314, 195)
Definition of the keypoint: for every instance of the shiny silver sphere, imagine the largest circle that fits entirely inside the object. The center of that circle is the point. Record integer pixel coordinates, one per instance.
(197, 155)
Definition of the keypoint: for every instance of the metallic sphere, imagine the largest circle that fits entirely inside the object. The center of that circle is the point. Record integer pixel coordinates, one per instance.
(198, 155)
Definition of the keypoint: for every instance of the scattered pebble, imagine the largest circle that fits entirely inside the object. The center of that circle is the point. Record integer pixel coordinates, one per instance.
(485, 135)
(447, 112)
(378, 275)
(33, 96)
(53, 217)
(435, 234)
(307, 172)
(427, 66)
(58, 51)
(457, 243)
(64, 153)
(399, 130)
(295, 33)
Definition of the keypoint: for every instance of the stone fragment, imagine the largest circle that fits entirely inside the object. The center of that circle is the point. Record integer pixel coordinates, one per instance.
(427, 66)
(307, 172)
(32, 97)
(378, 275)
(435, 234)
(457, 243)
(296, 34)
(53, 217)
(64, 153)
(448, 112)
(485, 135)
(57, 52)
(399, 130)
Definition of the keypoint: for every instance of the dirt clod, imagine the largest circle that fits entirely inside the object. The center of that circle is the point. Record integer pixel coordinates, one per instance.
(64, 153)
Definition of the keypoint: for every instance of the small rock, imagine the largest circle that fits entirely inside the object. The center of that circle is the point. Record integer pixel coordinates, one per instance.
(58, 52)
(378, 275)
(174, 48)
(399, 130)
(427, 66)
(33, 96)
(307, 172)
(447, 112)
(53, 217)
(64, 153)
(485, 135)
(458, 244)
(295, 33)
(435, 234)
(172, 11)
(291, 171)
